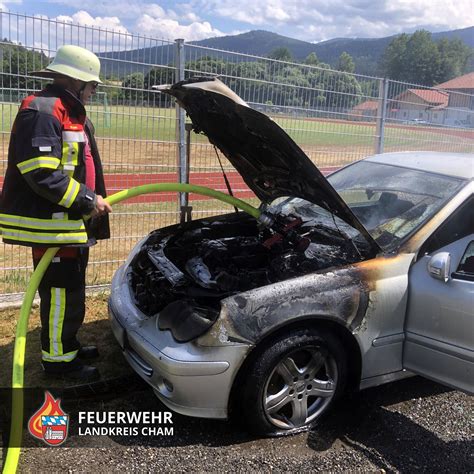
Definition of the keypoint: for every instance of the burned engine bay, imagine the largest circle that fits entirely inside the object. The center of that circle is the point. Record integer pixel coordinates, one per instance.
(185, 270)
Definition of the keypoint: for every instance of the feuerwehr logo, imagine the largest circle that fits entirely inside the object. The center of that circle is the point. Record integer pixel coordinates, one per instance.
(50, 422)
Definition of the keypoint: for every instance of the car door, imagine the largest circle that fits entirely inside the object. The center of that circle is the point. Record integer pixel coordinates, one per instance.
(439, 325)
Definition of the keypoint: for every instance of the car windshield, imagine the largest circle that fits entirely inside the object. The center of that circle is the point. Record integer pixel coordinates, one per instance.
(390, 201)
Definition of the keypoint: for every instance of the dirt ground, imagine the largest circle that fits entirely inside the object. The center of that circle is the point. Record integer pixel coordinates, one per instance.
(408, 426)
(95, 330)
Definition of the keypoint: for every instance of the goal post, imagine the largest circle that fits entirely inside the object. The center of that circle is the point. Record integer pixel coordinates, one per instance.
(103, 109)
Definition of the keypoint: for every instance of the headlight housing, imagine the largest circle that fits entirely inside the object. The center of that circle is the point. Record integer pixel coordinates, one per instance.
(186, 320)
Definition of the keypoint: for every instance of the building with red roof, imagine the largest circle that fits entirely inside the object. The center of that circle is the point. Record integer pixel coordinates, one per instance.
(450, 103)
(423, 105)
(461, 99)
(460, 84)
(365, 110)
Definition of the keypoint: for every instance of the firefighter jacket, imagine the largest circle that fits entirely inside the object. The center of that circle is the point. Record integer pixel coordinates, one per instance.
(44, 198)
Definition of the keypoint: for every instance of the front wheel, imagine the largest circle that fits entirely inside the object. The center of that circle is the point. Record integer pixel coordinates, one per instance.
(293, 382)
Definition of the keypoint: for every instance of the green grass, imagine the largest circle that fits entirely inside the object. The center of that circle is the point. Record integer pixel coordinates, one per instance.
(95, 330)
(147, 123)
(14, 279)
(345, 133)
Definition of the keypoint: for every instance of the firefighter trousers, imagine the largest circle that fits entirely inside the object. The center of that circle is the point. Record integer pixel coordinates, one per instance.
(62, 308)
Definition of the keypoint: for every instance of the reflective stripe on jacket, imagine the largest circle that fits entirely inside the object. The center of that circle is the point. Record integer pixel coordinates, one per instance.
(44, 196)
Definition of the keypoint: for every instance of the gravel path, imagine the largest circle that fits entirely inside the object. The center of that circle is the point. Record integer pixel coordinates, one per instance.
(411, 425)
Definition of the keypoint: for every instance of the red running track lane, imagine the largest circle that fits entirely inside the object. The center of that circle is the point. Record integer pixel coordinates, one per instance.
(214, 180)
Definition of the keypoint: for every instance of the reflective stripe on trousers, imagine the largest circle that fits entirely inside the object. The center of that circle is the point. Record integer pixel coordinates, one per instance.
(62, 307)
(57, 309)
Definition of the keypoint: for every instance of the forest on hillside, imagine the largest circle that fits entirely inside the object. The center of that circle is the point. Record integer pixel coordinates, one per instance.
(310, 83)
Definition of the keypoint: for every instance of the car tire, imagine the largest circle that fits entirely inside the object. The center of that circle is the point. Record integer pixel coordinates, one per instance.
(292, 382)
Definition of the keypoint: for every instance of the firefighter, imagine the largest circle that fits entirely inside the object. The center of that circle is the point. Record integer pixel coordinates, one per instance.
(53, 180)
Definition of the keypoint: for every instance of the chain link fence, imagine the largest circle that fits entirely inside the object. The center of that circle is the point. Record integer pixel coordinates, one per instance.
(335, 117)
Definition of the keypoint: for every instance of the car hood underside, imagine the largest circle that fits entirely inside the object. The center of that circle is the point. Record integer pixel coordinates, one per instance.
(269, 161)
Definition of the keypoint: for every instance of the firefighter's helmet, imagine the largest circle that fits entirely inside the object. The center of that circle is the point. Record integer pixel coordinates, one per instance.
(73, 61)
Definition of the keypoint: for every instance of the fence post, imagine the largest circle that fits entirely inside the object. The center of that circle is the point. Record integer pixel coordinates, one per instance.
(183, 174)
(381, 115)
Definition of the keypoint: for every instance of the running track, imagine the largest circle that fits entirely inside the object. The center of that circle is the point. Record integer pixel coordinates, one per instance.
(214, 180)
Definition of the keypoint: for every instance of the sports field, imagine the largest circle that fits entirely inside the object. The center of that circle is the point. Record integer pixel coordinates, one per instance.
(159, 124)
(138, 146)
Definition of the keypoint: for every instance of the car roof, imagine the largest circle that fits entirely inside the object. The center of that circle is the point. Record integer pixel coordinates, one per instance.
(460, 165)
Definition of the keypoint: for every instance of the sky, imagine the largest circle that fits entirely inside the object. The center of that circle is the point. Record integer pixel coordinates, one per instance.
(308, 20)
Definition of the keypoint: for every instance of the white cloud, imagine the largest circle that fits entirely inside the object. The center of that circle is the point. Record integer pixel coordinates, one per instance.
(324, 19)
(84, 18)
(105, 34)
(190, 16)
(125, 9)
(276, 13)
(133, 9)
(167, 28)
(150, 19)
(156, 11)
(180, 22)
(4, 5)
(108, 33)
(187, 13)
(310, 20)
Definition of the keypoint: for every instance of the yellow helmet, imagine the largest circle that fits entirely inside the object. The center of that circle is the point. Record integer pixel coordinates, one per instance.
(73, 61)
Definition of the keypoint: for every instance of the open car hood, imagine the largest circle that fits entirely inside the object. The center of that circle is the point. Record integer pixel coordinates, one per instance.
(270, 162)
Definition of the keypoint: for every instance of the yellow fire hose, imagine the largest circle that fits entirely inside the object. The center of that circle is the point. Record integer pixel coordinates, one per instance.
(16, 428)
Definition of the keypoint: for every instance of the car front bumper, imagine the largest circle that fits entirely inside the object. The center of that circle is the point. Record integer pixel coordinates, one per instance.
(190, 379)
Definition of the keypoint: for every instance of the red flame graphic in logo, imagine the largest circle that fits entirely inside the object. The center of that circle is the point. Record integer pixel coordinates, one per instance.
(49, 407)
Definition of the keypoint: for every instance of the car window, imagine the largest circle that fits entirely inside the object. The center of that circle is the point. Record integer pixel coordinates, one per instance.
(465, 270)
(391, 201)
(457, 226)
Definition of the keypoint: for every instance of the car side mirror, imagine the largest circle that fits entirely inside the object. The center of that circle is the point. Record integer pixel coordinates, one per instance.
(438, 266)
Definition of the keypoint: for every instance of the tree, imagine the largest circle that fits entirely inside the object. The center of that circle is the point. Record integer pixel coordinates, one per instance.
(132, 88)
(422, 59)
(412, 58)
(369, 88)
(345, 63)
(206, 65)
(332, 89)
(312, 59)
(418, 59)
(454, 59)
(158, 76)
(282, 54)
(393, 58)
(112, 89)
(281, 94)
(16, 62)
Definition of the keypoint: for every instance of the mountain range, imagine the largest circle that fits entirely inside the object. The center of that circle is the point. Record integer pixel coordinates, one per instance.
(366, 52)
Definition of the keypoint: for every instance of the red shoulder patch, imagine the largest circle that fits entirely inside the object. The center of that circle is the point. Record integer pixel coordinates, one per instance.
(45, 104)
(27, 101)
(59, 111)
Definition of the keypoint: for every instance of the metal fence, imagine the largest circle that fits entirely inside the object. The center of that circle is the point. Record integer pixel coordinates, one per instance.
(335, 117)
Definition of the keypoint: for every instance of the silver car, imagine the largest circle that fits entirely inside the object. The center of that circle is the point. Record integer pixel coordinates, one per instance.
(353, 281)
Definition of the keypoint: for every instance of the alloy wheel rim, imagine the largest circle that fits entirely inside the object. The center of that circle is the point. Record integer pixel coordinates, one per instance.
(300, 387)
